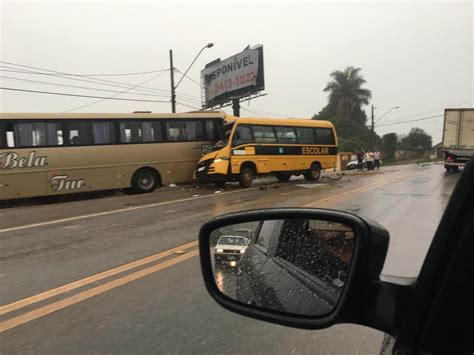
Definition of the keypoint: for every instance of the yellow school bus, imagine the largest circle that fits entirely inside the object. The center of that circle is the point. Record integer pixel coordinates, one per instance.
(50, 154)
(259, 146)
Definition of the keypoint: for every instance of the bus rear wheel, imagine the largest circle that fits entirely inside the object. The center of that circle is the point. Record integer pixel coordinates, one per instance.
(314, 172)
(145, 181)
(246, 177)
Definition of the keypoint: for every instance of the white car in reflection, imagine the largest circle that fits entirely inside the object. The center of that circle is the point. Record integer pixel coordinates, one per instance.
(229, 249)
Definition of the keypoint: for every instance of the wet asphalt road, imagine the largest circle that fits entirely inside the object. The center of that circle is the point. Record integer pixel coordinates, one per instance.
(159, 305)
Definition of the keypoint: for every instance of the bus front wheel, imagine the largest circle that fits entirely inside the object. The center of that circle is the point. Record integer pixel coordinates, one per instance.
(246, 177)
(313, 173)
(144, 181)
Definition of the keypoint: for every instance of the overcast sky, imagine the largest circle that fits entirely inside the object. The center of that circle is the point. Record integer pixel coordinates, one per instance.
(418, 56)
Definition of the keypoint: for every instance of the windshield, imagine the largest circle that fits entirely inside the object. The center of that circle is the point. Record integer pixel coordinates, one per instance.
(232, 241)
(224, 135)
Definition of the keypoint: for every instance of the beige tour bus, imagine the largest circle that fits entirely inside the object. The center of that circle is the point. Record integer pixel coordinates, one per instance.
(50, 154)
(260, 146)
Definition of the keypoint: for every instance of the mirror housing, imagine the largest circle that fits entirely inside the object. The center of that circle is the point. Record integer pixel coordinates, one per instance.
(362, 285)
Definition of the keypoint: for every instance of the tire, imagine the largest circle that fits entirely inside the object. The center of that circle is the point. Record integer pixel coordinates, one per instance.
(314, 172)
(455, 169)
(219, 184)
(145, 181)
(283, 177)
(449, 169)
(246, 177)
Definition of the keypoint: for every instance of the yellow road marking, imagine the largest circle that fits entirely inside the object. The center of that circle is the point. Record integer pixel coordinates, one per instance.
(105, 213)
(83, 282)
(56, 306)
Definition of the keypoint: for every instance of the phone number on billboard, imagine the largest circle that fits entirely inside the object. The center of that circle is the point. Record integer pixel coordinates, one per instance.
(235, 83)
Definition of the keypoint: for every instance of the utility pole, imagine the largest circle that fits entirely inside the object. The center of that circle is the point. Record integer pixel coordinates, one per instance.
(372, 126)
(173, 92)
(236, 107)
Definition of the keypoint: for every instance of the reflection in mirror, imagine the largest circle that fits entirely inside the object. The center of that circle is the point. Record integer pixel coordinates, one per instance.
(294, 266)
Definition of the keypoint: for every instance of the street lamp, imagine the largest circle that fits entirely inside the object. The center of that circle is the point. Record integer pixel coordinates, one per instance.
(386, 113)
(173, 87)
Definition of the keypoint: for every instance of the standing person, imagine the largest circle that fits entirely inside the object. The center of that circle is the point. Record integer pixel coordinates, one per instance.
(369, 159)
(360, 158)
(377, 159)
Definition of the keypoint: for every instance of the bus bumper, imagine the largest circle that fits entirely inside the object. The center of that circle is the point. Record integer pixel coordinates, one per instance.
(210, 178)
(208, 172)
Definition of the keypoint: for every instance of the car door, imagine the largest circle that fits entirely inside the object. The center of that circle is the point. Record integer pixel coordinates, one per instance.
(250, 287)
(439, 317)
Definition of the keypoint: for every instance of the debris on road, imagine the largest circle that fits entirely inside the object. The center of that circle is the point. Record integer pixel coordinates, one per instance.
(172, 185)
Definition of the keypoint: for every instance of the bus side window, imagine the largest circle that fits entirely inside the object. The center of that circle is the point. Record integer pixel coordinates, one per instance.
(10, 136)
(3, 135)
(264, 134)
(243, 135)
(212, 130)
(131, 132)
(152, 131)
(305, 135)
(80, 133)
(33, 134)
(103, 132)
(285, 134)
(184, 130)
(324, 136)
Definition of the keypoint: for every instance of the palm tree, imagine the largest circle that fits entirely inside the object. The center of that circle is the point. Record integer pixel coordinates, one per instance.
(345, 92)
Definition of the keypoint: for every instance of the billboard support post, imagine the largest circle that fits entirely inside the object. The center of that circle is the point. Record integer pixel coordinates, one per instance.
(236, 107)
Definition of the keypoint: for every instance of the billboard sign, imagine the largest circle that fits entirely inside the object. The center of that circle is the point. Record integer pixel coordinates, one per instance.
(237, 76)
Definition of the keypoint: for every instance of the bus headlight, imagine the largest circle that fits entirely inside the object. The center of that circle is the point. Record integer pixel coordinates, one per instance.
(218, 160)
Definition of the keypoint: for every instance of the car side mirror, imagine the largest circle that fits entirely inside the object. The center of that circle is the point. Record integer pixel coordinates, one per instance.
(306, 268)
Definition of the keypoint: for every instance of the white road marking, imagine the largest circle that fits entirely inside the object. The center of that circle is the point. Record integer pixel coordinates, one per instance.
(105, 213)
(310, 186)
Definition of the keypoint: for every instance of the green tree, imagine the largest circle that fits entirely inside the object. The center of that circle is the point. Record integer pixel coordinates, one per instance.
(389, 146)
(417, 140)
(346, 94)
(344, 109)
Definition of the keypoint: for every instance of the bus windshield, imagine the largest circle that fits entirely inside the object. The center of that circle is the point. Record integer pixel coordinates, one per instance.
(224, 135)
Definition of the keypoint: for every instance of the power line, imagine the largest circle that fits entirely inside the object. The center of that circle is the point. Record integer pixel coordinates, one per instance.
(272, 113)
(73, 86)
(425, 112)
(190, 106)
(93, 80)
(188, 95)
(74, 95)
(63, 75)
(194, 81)
(189, 78)
(119, 74)
(123, 92)
(253, 112)
(415, 120)
(194, 102)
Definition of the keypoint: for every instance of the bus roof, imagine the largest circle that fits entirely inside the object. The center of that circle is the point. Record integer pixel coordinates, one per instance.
(138, 115)
(284, 122)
